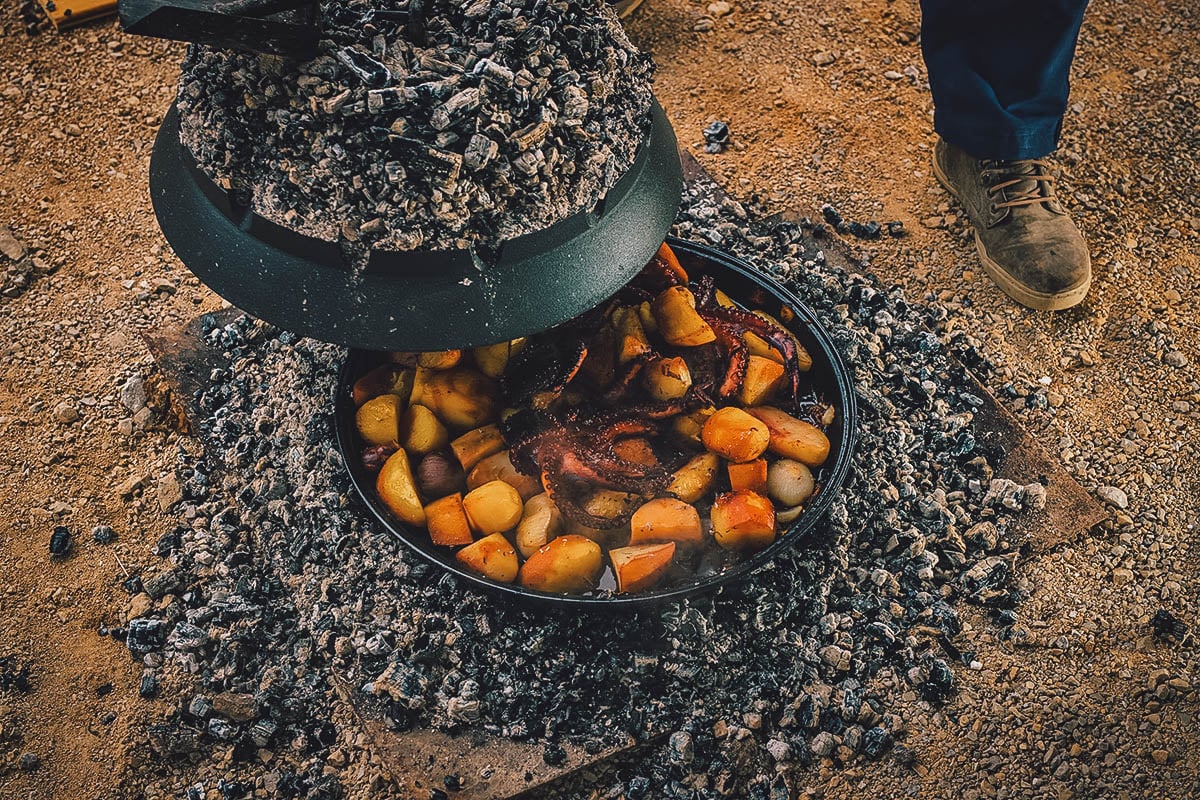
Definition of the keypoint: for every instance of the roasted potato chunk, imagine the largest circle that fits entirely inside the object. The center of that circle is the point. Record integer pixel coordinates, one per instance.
(461, 397)
(793, 438)
(695, 478)
(639, 567)
(474, 446)
(678, 321)
(687, 427)
(492, 557)
(494, 507)
(493, 359)
(398, 490)
(667, 378)
(743, 521)
(666, 519)
(448, 522)
(735, 435)
(763, 379)
(565, 565)
(750, 476)
(378, 420)
(421, 432)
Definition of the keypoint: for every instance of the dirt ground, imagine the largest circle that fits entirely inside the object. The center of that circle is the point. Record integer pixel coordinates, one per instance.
(1086, 704)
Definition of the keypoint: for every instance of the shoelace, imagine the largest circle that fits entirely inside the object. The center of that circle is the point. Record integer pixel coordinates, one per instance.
(1038, 188)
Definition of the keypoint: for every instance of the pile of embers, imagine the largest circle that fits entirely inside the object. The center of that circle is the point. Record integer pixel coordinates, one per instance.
(430, 124)
(283, 580)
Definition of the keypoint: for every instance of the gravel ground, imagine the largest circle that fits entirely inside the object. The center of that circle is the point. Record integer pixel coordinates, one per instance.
(1083, 701)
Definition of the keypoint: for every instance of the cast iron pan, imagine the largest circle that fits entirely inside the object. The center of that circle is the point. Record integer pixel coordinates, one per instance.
(744, 284)
(423, 299)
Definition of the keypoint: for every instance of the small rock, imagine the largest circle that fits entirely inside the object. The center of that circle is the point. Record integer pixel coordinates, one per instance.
(9, 246)
(893, 75)
(1113, 496)
(170, 491)
(133, 394)
(824, 58)
(139, 605)
(779, 750)
(720, 8)
(131, 484)
(102, 534)
(237, 706)
(1175, 358)
(29, 762)
(823, 744)
(1121, 576)
(680, 748)
(1160, 756)
(66, 413)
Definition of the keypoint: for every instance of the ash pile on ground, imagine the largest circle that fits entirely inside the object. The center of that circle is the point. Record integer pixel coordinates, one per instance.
(283, 580)
(430, 125)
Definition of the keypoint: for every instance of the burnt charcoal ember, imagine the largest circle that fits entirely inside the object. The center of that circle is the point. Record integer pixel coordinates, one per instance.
(560, 80)
(895, 229)
(1167, 627)
(60, 542)
(876, 742)
(133, 584)
(102, 534)
(148, 686)
(716, 136)
(13, 675)
(145, 635)
(371, 72)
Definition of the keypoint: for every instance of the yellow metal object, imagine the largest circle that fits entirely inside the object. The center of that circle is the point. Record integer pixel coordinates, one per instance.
(67, 13)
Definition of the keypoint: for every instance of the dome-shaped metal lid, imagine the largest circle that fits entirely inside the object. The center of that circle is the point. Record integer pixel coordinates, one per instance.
(416, 300)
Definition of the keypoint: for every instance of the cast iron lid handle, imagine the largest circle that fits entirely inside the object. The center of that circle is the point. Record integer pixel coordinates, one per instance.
(276, 27)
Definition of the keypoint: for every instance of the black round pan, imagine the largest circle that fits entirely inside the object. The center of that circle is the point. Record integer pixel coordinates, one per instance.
(745, 285)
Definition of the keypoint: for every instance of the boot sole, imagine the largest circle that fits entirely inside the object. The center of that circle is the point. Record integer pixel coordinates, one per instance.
(1030, 298)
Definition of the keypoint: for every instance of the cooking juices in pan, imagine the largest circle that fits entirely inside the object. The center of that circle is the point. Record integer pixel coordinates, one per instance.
(658, 440)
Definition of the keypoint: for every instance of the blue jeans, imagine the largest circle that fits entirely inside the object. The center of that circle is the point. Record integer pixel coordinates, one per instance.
(999, 72)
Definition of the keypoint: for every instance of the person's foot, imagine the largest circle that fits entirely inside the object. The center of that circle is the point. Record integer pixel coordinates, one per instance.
(1026, 241)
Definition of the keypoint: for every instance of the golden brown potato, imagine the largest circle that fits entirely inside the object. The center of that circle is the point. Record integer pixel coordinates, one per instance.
(493, 359)
(725, 300)
(565, 565)
(378, 420)
(494, 507)
(666, 520)
(793, 438)
(607, 538)
(439, 359)
(474, 446)
(645, 312)
(421, 432)
(667, 378)
(398, 490)
(687, 427)
(790, 483)
(384, 379)
(678, 321)
(695, 478)
(447, 521)
(492, 557)
(499, 467)
(734, 434)
(631, 336)
(609, 504)
(751, 476)
(462, 398)
(639, 567)
(763, 379)
(540, 522)
(743, 521)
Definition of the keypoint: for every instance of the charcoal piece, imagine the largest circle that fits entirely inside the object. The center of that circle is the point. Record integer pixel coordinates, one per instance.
(148, 687)
(531, 136)
(895, 229)
(200, 707)
(366, 68)
(133, 584)
(454, 109)
(480, 152)
(102, 534)
(145, 635)
(438, 168)
(495, 74)
(870, 230)
(162, 584)
(222, 729)
(876, 742)
(393, 98)
(262, 731)
(187, 636)
(716, 136)
(60, 541)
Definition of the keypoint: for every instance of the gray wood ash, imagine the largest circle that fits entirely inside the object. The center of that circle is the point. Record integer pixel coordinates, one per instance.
(504, 118)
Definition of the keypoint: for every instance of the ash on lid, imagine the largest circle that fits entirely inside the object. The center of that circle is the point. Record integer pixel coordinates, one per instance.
(488, 120)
